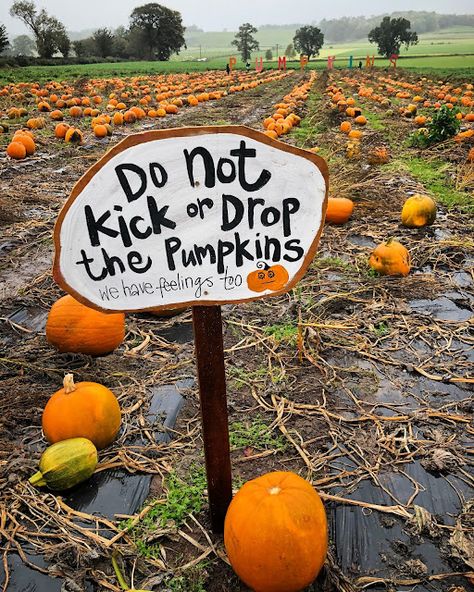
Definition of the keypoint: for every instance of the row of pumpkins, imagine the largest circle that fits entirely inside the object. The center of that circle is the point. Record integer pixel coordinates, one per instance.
(279, 512)
(389, 257)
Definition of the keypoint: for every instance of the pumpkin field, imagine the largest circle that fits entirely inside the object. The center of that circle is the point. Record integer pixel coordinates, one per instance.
(359, 379)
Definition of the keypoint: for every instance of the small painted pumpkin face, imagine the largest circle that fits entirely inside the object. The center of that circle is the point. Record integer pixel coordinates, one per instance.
(267, 278)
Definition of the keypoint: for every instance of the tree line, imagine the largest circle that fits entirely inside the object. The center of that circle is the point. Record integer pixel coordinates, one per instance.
(156, 32)
(353, 28)
(389, 35)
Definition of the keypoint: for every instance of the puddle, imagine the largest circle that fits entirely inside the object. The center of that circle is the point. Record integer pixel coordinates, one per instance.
(462, 279)
(440, 234)
(31, 317)
(388, 393)
(361, 241)
(26, 269)
(370, 542)
(432, 390)
(442, 308)
(6, 247)
(334, 277)
(25, 579)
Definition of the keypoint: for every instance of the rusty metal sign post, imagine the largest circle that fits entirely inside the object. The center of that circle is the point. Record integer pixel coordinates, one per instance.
(195, 217)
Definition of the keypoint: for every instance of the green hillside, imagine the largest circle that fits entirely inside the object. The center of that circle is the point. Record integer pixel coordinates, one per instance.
(459, 40)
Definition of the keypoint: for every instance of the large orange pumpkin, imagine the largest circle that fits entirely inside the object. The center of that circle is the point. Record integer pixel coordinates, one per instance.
(339, 210)
(418, 210)
(390, 258)
(73, 327)
(83, 410)
(275, 533)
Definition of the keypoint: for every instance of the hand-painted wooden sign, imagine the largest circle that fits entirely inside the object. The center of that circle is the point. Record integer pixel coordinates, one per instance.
(191, 216)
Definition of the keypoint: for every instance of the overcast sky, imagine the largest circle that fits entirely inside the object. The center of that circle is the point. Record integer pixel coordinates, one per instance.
(212, 15)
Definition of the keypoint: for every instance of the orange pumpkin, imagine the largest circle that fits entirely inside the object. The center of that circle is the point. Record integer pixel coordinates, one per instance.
(390, 258)
(118, 118)
(360, 120)
(27, 142)
(73, 327)
(73, 135)
(418, 211)
(345, 127)
(75, 111)
(267, 278)
(56, 115)
(60, 130)
(129, 116)
(83, 410)
(44, 107)
(339, 210)
(275, 533)
(420, 120)
(100, 131)
(16, 150)
(378, 155)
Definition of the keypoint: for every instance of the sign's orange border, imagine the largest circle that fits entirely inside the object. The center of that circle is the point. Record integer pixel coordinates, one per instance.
(149, 136)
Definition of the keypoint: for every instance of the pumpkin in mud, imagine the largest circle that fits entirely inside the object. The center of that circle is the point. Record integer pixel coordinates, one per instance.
(73, 327)
(275, 533)
(16, 150)
(83, 410)
(339, 210)
(66, 464)
(267, 277)
(418, 211)
(390, 258)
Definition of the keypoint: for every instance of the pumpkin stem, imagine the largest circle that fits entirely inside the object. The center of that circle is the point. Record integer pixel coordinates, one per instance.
(37, 479)
(118, 573)
(390, 240)
(262, 265)
(274, 490)
(68, 384)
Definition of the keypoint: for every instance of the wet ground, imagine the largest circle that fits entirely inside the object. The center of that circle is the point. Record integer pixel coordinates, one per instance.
(373, 399)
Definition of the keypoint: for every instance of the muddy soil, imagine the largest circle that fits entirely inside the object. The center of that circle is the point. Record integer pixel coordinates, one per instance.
(368, 380)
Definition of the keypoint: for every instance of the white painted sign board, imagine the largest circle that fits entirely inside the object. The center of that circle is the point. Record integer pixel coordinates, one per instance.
(191, 216)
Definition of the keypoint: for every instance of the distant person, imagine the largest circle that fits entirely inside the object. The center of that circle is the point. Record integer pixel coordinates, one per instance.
(360, 65)
(247, 66)
(227, 69)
